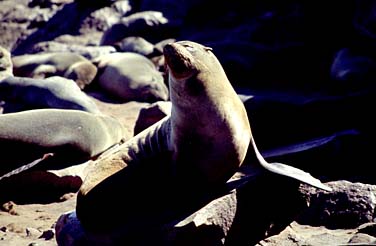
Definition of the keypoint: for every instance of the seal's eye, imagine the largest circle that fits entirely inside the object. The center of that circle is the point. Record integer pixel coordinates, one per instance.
(190, 48)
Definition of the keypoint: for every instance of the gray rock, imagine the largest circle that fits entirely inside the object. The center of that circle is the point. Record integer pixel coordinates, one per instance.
(302, 235)
(89, 52)
(48, 235)
(69, 231)
(241, 217)
(152, 114)
(32, 232)
(368, 228)
(361, 238)
(348, 206)
(354, 68)
(6, 66)
(83, 20)
(151, 25)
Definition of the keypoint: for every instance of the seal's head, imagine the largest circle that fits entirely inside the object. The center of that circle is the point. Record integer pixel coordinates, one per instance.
(194, 73)
(183, 58)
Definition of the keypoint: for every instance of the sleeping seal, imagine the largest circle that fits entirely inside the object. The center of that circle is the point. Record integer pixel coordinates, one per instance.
(130, 76)
(194, 151)
(66, 64)
(70, 135)
(52, 92)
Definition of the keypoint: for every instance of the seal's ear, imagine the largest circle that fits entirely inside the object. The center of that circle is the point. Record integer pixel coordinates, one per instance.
(208, 48)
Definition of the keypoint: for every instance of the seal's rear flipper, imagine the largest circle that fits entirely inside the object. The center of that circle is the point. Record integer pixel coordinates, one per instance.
(295, 173)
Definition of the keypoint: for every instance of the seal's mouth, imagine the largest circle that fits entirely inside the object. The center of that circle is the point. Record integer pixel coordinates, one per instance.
(179, 60)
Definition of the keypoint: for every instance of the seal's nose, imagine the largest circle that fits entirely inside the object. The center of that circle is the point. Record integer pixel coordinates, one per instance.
(168, 48)
(170, 52)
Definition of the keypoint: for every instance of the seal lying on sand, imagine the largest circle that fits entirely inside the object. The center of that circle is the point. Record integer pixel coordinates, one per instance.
(52, 92)
(194, 151)
(70, 135)
(131, 76)
(65, 64)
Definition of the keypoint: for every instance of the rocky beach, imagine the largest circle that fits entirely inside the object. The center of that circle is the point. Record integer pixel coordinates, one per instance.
(305, 73)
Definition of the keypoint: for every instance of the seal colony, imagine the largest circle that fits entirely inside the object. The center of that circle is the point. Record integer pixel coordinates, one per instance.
(198, 147)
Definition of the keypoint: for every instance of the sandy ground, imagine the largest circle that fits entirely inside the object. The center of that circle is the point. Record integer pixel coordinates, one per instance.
(33, 224)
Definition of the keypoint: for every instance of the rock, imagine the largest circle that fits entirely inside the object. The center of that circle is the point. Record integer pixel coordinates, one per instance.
(6, 65)
(353, 68)
(240, 217)
(47, 3)
(150, 25)
(32, 232)
(18, 20)
(368, 228)
(67, 196)
(152, 114)
(102, 18)
(307, 120)
(299, 115)
(69, 231)
(48, 235)
(178, 14)
(9, 207)
(89, 52)
(360, 238)
(348, 206)
(85, 20)
(297, 234)
(15, 228)
(99, 2)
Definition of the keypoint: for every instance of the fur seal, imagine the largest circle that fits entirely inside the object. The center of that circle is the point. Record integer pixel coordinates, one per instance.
(195, 150)
(52, 92)
(71, 135)
(135, 44)
(130, 76)
(65, 64)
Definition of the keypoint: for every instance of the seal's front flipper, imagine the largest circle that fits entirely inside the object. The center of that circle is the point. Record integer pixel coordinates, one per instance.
(287, 170)
(27, 166)
(43, 71)
(295, 173)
